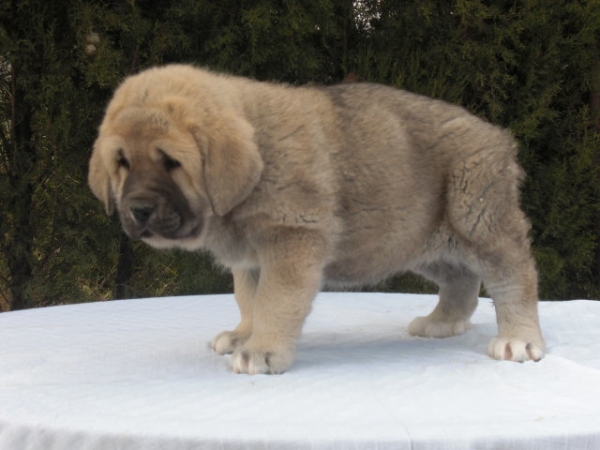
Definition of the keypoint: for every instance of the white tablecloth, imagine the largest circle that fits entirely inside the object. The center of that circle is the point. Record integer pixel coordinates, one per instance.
(138, 374)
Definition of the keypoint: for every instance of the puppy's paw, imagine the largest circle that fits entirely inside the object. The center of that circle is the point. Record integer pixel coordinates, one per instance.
(429, 327)
(228, 341)
(247, 359)
(515, 350)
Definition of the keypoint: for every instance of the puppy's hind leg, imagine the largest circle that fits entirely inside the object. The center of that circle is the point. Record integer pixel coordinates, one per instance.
(485, 212)
(459, 290)
(245, 282)
(513, 287)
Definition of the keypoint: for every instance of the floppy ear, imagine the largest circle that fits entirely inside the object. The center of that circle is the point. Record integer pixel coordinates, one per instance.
(99, 182)
(232, 164)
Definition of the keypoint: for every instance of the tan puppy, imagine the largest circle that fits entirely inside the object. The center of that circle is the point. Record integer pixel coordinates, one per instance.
(293, 188)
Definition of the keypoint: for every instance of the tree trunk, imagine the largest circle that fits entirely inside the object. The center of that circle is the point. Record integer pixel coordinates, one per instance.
(595, 109)
(21, 272)
(19, 244)
(124, 269)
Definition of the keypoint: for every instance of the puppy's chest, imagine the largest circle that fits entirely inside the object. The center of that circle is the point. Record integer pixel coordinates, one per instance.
(230, 244)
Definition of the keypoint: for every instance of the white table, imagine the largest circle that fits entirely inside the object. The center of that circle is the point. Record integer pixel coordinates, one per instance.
(138, 374)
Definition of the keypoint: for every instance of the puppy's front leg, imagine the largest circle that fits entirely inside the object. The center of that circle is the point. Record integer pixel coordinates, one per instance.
(290, 276)
(244, 283)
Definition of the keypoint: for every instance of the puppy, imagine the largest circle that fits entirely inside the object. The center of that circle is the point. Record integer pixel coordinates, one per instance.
(294, 188)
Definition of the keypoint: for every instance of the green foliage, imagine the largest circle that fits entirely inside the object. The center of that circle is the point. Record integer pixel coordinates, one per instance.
(174, 272)
(262, 39)
(531, 66)
(46, 120)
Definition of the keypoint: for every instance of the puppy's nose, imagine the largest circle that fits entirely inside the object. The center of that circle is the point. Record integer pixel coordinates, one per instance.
(142, 213)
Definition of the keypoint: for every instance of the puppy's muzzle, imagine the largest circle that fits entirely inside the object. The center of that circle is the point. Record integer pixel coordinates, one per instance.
(152, 204)
(146, 217)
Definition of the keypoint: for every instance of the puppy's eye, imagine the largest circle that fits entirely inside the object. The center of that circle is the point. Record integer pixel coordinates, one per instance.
(170, 163)
(122, 162)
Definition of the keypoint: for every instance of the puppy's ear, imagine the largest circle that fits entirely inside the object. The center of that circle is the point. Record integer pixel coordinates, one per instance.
(232, 164)
(100, 183)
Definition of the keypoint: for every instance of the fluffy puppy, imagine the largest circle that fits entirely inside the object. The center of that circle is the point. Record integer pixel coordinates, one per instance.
(293, 188)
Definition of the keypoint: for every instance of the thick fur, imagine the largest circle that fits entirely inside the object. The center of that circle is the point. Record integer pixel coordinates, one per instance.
(293, 188)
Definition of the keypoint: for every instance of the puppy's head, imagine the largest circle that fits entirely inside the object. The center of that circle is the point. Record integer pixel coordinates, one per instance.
(166, 165)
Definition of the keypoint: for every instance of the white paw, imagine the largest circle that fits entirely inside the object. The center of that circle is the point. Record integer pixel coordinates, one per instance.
(247, 360)
(428, 327)
(515, 350)
(227, 341)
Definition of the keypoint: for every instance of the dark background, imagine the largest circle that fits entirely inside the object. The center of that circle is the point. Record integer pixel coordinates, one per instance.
(532, 66)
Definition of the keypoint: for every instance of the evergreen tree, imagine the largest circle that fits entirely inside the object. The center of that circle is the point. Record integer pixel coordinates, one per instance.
(46, 115)
(529, 66)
